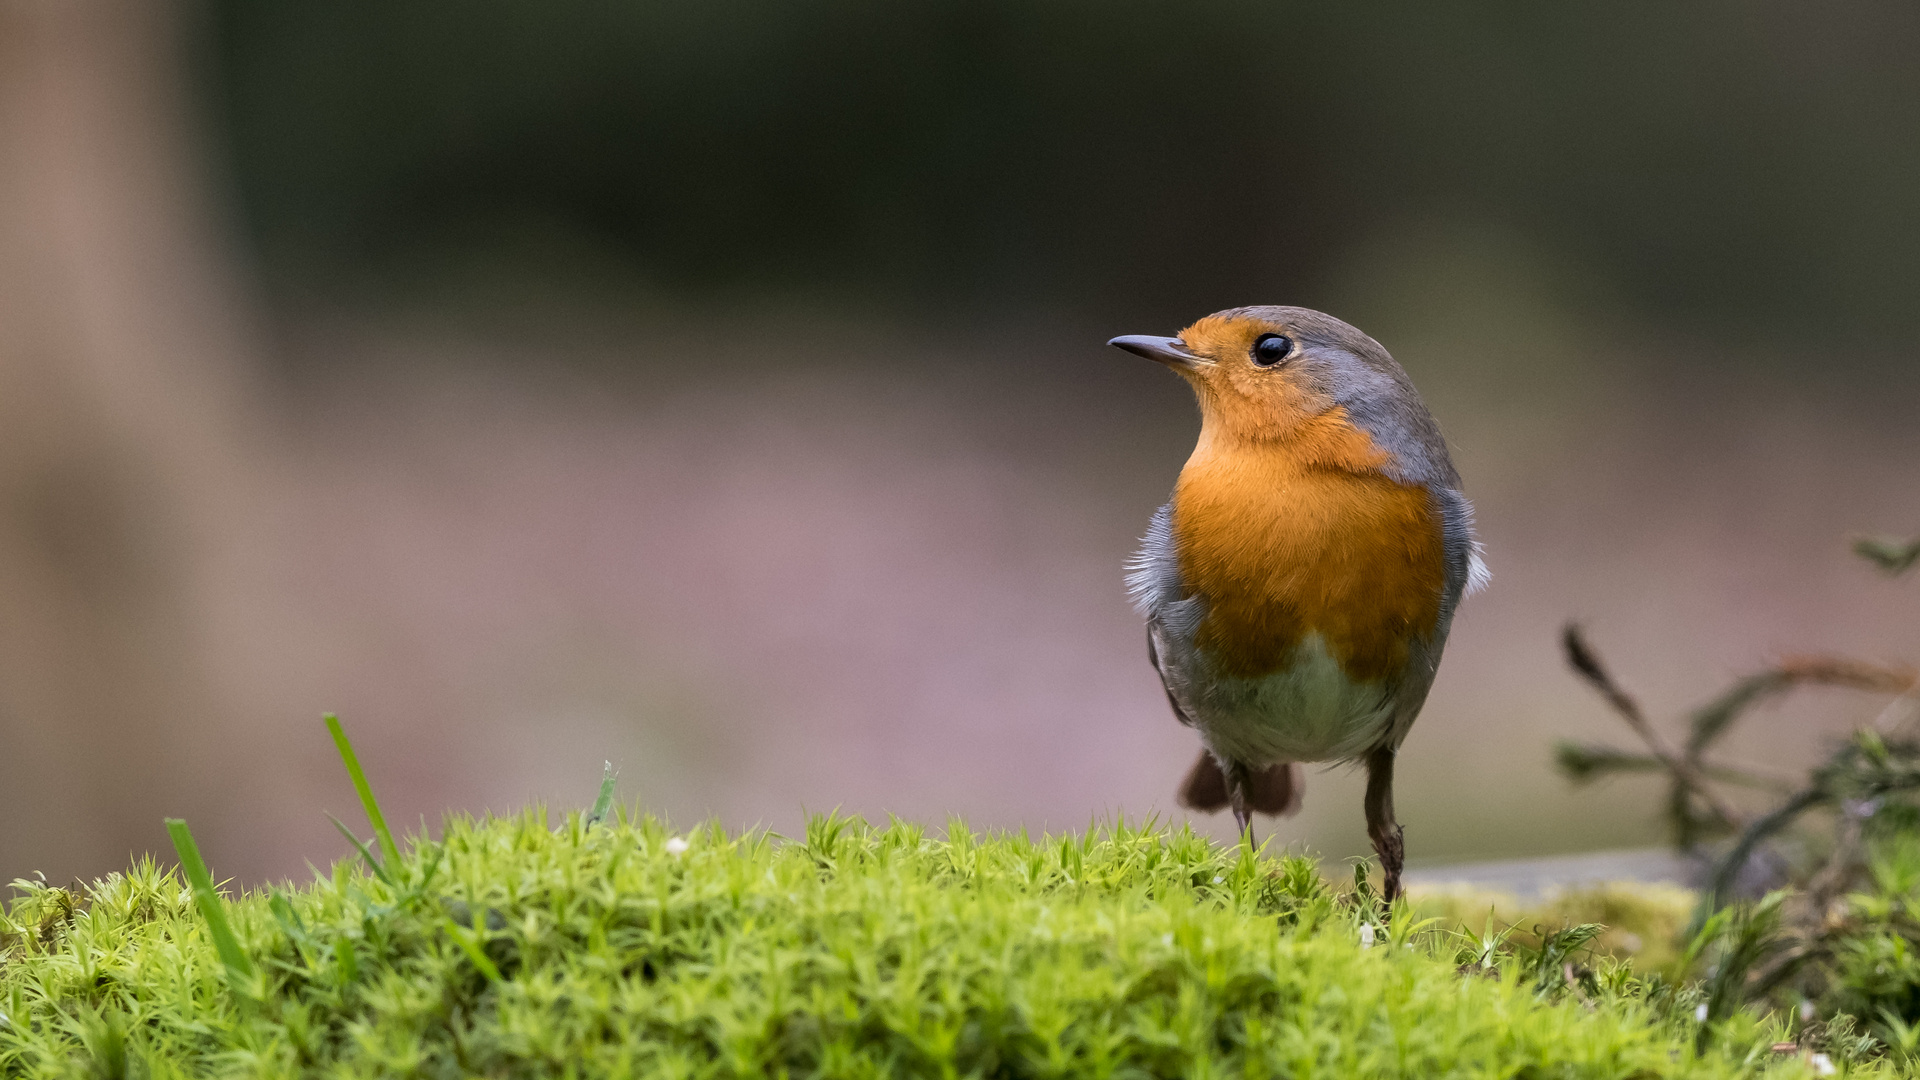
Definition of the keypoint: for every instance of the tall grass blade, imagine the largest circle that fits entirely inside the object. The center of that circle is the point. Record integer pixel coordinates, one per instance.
(605, 802)
(372, 863)
(388, 848)
(211, 907)
(469, 943)
(433, 867)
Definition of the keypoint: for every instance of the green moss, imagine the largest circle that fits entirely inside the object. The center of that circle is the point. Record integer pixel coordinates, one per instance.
(508, 948)
(1645, 922)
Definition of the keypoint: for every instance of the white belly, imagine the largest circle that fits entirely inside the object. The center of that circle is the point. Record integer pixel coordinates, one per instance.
(1307, 711)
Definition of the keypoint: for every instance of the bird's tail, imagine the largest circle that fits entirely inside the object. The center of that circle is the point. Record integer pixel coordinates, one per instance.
(1276, 789)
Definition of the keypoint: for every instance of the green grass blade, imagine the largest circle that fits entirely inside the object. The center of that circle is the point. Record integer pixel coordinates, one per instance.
(432, 868)
(211, 907)
(288, 918)
(469, 945)
(345, 963)
(293, 926)
(372, 863)
(605, 802)
(372, 806)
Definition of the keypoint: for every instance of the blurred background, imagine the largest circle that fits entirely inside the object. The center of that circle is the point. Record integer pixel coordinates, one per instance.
(717, 387)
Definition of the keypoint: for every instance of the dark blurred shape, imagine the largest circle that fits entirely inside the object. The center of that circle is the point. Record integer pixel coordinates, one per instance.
(1877, 765)
(1892, 554)
(1741, 166)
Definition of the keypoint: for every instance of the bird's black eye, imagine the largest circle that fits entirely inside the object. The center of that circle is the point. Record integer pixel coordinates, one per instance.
(1271, 349)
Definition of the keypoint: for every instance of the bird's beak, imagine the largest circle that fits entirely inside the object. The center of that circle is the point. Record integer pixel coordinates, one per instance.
(1169, 351)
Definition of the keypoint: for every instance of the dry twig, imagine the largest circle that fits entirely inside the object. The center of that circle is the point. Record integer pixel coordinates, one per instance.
(1684, 768)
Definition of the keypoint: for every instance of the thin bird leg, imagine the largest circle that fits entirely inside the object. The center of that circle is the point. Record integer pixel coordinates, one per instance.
(1381, 828)
(1237, 798)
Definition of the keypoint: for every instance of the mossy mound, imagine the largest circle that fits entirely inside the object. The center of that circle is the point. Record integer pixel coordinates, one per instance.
(1645, 922)
(509, 948)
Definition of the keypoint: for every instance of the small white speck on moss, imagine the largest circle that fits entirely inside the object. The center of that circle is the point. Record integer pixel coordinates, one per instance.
(1366, 935)
(1822, 1065)
(677, 845)
(1700, 1014)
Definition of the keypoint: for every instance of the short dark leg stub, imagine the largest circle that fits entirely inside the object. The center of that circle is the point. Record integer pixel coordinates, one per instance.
(1277, 789)
(1205, 788)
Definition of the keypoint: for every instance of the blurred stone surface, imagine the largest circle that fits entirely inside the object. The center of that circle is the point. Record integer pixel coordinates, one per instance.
(1530, 879)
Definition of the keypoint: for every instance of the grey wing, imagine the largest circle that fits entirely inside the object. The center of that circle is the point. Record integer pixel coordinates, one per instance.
(1154, 585)
(1465, 574)
(1153, 657)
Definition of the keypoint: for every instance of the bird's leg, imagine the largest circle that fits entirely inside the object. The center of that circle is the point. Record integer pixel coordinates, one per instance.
(1237, 797)
(1381, 828)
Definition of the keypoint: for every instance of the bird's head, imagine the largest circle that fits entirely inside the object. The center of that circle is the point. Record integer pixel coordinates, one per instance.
(1262, 372)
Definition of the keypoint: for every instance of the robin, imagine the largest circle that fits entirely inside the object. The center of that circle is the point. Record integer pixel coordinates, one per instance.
(1299, 586)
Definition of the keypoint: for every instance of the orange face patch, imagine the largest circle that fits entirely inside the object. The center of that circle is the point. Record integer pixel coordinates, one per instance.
(1238, 397)
(1297, 534)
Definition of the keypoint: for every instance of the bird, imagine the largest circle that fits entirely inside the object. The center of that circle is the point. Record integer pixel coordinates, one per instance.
(1299, 586)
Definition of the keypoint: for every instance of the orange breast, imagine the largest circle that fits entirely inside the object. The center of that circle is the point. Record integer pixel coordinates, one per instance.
(1300, 536)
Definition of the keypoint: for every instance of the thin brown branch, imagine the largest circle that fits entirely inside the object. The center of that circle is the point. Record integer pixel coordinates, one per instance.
(1856, 674)
(1712, 720)
(1587, 663)
(1832, 878)
(1754, 776)
(1899, 712)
